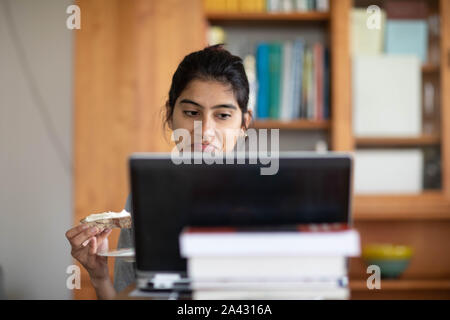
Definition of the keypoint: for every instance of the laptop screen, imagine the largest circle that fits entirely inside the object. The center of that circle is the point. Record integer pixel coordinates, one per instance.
(308, 188)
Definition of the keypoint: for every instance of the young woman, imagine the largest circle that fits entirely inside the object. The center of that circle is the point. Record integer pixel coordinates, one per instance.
(210, 86)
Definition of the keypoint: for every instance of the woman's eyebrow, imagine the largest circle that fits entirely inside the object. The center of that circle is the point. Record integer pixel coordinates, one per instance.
(230, 106)
(191, 102)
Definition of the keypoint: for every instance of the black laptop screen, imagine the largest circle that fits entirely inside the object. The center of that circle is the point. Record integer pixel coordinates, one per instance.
(166, 197)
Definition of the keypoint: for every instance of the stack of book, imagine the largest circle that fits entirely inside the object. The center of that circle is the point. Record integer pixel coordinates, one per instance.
(293, 81)
(265, 5)
(295, 262)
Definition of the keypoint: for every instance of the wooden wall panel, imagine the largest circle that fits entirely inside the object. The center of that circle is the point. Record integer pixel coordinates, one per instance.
(341, 104)
(125, 55)
(445, 95)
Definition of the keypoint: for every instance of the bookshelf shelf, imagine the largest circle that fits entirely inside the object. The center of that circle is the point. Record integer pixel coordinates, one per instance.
(429, 205)
(429, 68)
(292, 125)
(403, 284)
(217, 17)
(395, 141)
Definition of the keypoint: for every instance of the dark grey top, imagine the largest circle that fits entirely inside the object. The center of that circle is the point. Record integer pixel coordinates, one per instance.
(124, 272)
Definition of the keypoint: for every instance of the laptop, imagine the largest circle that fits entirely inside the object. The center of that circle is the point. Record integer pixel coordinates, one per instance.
(167, 195)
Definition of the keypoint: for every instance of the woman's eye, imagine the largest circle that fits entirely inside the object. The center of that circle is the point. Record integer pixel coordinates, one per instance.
(224, 116)
(191, 113)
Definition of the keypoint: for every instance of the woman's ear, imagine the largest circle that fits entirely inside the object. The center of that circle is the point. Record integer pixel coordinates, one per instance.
(248, 116)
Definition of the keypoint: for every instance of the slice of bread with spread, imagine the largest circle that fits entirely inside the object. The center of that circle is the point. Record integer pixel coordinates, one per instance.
(109, 220)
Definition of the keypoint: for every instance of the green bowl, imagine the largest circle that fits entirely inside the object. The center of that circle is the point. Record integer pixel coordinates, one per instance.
(392, 259)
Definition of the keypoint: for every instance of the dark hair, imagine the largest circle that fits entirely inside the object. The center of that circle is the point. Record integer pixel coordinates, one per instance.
(211, 63)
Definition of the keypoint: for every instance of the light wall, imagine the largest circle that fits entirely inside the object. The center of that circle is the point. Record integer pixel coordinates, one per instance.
(35, 147)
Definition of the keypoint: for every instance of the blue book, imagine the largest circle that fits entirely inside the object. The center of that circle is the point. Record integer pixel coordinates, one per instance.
(297, 56)
(262, 74)
(407, 37)
(275, 69)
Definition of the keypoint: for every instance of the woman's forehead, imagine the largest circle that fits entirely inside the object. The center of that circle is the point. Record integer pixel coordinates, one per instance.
(209, 93)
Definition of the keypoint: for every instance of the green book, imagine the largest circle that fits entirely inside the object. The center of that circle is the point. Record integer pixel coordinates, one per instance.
(275, 67)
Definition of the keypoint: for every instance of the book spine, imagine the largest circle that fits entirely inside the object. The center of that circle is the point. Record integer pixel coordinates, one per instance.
(287, 5)
(322, 5)
(344, 243)
(232, 5)
(250, 70)
(313, 227)
(262, 71)
(301, 5)
(305, 77)
(326, 90)
(298, 75)
(286, 84)
(318, 87)
(293, 80)
(215, 5)
(274, 267)
(274, 79)
(301, 57)
(260, 5)
(309, 92)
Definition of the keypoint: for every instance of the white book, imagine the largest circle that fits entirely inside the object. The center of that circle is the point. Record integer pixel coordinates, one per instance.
(388, 171)
(322, 5)
(286, 84)
(274, 5)
(270, 243)
(296, 78)
(365, 40)
(269, 284)
(387, 96)
(266, 267)
(317, 294)
(250, 70)
(287, 5)
(311, 101)
(301, 5)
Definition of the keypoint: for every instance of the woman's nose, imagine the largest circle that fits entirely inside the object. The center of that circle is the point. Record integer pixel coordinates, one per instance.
(208, 129)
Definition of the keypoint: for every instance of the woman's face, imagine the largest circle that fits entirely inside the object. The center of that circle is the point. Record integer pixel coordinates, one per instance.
(213, 103)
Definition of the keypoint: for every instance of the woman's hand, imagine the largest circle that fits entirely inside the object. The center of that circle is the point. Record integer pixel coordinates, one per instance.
(86, 242)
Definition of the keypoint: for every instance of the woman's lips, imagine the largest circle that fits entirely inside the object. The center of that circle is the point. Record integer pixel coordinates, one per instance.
(203, 147)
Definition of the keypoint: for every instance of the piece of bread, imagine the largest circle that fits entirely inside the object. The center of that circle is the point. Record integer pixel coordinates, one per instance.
(109, 220)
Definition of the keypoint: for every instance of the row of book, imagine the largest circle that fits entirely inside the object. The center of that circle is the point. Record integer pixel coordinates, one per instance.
(265, 5)
(293, 81)
(296, 262)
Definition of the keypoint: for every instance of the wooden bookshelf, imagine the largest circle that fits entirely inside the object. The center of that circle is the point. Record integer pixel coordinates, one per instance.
(428, 68)
(221, 17)
(425, 140)
(292, 125)
(404, 284)
(429, 205)
(401, 289)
